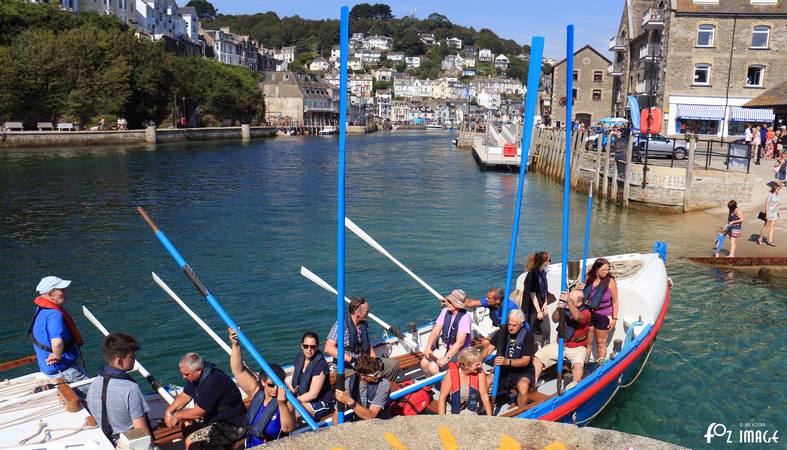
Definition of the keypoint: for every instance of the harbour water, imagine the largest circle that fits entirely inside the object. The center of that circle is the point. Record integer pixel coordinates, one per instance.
(247, 216)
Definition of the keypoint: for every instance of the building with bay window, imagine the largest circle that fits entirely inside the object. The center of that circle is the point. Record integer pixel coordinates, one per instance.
(700, 61)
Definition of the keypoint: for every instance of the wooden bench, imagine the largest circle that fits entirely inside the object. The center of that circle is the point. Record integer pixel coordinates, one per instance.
(10, 126)
(45, 126)
(65, 126)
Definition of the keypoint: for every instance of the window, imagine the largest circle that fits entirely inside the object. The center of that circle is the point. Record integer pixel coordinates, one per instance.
(759, 36)
(754, 76)
(597, 95)
(576, 75)
(705, 35)
(597, 76)
(702, 74)
(574, 94)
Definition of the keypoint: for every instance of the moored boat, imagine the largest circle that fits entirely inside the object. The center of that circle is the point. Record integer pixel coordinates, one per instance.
(329, 130)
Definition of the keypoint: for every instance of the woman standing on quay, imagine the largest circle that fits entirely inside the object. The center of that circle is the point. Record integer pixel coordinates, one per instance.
(734, 222)
(771, 214)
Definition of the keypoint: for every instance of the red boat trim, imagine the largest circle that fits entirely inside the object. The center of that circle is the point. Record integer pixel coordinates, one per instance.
(571, 405)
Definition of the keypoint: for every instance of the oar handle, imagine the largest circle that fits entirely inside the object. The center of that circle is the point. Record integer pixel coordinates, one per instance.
(17, 362)
(147, 219)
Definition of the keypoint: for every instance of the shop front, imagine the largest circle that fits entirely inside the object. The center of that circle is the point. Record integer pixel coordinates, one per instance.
(699, 119)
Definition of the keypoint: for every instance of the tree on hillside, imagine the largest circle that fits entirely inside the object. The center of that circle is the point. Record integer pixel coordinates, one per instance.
(378, 11)
(205, 9)
(410, 44)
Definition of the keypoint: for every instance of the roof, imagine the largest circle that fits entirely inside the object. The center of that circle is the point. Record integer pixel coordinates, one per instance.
(771, 98)
(587, 46)
(729, 7)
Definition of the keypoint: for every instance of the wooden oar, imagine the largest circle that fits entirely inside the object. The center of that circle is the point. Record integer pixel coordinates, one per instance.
(137, 366)
(375, 245)
(17, 362)
(409, 345)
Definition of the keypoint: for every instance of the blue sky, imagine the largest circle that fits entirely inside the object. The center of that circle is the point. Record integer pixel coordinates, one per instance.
(595, 21)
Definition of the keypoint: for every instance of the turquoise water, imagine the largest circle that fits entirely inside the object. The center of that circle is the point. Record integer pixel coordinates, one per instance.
(246, 217)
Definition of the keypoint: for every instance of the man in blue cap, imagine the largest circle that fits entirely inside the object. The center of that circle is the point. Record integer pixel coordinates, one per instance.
(55, 337)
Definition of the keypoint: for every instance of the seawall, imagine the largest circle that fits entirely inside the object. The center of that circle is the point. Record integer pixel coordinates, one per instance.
(151, 135)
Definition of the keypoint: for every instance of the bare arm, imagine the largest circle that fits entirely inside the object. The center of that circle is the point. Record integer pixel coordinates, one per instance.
(436, 329)
(613, 288)
(445, 389)
(180, 401)
(58, 347)
(457, 347)
(141, 423)
(483, 389)
(361, 412)
(574, 311)
(285, 413)
(243, 377)
(332, 348)
(314, 388)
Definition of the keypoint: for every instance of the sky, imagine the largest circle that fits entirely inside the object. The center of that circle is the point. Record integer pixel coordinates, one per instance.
(595, 21)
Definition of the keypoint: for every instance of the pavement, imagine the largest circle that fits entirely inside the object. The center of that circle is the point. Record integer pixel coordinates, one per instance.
(464, 432)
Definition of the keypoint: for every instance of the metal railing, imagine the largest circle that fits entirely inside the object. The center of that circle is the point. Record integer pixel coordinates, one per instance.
(708, 154)
(652, 16)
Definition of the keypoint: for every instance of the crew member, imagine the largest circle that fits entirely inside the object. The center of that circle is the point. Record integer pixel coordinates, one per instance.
(55, 337)
(217, 405)
(356, 340)
(311, 378)
(577, 335)
(517, 347)
(114, 398)
(366, 392)
(453, 328)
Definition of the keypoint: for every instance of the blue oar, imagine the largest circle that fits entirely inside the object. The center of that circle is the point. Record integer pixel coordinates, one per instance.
(533, 77)
(192, 276)
(344, 49)
(566, 198)
(587, 233)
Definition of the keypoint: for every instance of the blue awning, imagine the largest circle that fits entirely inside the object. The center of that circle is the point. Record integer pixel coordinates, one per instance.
(700, 112)
(740, 114)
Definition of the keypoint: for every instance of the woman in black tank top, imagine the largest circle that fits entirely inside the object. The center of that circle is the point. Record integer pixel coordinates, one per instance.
(734, 223)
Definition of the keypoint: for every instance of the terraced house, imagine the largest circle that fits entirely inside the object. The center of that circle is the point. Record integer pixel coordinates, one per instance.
(700, 61)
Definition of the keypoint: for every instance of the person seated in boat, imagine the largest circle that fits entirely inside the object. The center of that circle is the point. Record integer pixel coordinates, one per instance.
(269, 416)
(537, 297)
(515, 358)
(56, 339)
(493, 301)
(114, 398)
(356, 340)
(601, 292)
(577, 335)
(453, 330)
(465, 388)
(366, 392)
(218, 412)
(311, 378)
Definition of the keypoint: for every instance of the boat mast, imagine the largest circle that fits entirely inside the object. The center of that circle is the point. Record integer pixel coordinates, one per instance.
(566, 195)
(533, 78)
(343, 56)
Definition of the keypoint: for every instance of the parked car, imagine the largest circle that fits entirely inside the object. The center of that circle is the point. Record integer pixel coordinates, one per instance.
(659, 146)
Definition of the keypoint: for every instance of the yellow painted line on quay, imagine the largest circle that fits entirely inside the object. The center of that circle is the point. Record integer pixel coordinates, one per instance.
(394, 442)
(449, 441)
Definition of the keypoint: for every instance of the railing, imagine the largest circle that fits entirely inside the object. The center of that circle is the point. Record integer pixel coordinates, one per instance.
(617, 43)
(644, 86)
(615, 69)
(650, 51)
(708, 154)
(653, 17)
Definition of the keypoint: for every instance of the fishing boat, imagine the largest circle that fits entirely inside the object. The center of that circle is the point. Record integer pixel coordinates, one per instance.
(329, 130)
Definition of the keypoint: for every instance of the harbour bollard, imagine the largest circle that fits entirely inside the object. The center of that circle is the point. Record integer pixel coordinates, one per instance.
(150, 134)
(245, 132)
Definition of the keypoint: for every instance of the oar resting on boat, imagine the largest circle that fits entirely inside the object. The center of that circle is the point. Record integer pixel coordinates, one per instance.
(137, 366)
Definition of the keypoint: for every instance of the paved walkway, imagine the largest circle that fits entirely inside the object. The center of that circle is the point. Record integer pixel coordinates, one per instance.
(465, 432)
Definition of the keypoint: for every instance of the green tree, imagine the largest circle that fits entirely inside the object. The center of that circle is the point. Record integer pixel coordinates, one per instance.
(410, 44)
(401, 66)
(205, 9)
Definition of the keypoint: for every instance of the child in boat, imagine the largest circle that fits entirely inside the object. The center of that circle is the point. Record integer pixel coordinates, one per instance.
(721, 235)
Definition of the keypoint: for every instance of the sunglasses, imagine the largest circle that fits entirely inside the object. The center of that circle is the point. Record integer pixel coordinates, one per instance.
(270, 385)
(309, 347)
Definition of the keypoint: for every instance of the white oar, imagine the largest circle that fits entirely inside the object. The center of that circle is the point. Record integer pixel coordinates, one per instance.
(407, 343)
(369, 240)
(375, 245)
(137, 366)
(191, 313)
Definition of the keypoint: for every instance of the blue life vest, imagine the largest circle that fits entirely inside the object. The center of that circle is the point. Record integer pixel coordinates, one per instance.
(598, 293)
(519, 342)
(456, 388)
(572, 325)
(362, 346)
(302, 381)
(258, 416)
(109, 372)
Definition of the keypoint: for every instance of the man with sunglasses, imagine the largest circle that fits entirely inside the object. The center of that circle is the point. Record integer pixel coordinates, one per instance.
(366, 392)
(493, 301)
(356, 340)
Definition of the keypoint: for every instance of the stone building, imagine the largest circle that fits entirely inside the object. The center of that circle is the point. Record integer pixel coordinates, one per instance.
(592, 88)
(699, 61)
(292, 98)
(233, 49)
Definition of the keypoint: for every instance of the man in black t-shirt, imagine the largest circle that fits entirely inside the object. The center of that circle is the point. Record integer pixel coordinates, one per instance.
(217, 404)
(516, 348)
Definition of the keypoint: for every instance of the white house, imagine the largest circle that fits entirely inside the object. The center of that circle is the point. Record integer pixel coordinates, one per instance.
(356, 40)
(233, 49)
(470, 61)
(400, 111)
(368, 56)
(453, 62)
(378, 42)
(360, 85)
(501, 62)
(355, 64)
(319, 64)
(395, 56)
(454, 42)
(485, 55)
(382, 99)
(336, 53)
(413, 62)
(489, 100)
(427, 38)
(383, 74)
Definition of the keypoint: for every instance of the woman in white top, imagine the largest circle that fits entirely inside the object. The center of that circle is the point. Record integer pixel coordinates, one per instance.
(771, 214)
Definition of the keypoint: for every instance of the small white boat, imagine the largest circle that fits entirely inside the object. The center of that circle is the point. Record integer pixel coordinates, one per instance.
(433, 126)
(327, 131)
